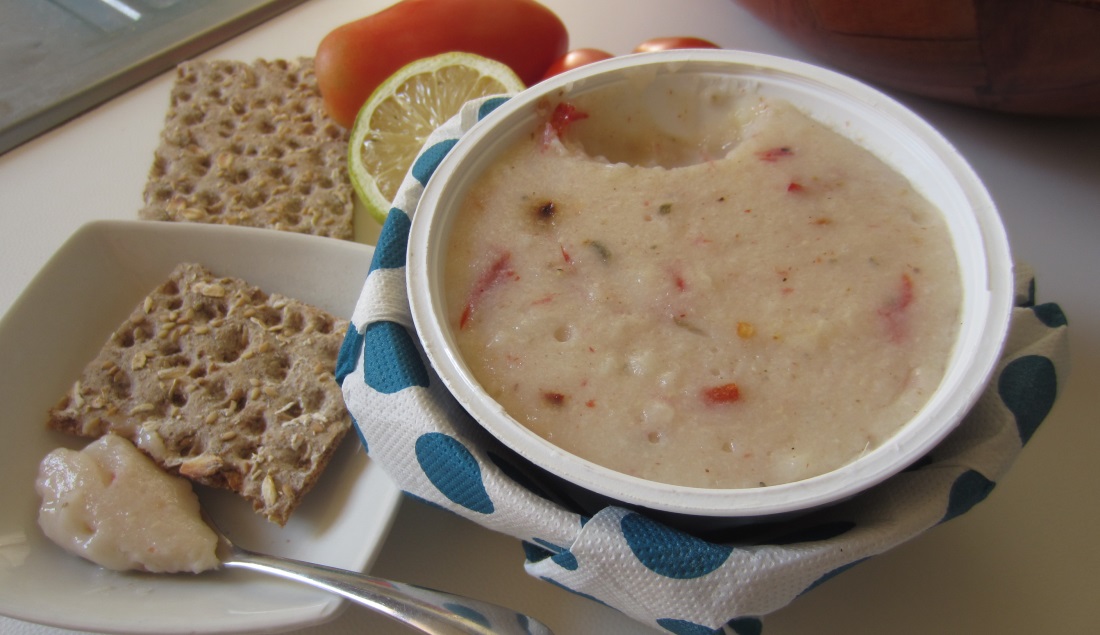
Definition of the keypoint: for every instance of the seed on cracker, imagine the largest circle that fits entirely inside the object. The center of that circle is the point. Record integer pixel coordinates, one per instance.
(251, 144)
(237, 404)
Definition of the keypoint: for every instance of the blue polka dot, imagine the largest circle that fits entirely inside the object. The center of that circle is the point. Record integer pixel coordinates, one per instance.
(470, 614)
(488, 106)
(969, 489)
(429, 159)
(393, 242)
(454, 471)
(1051, 315)
(535, 553)
(684, 627)
(1028, 386)
(349, 353)
(391, 362)
(671, 553)
(566, 560)
(746, 626)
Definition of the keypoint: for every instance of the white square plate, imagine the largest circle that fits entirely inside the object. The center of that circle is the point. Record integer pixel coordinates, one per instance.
(59, 322)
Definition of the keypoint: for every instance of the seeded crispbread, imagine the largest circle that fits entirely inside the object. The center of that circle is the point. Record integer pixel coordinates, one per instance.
(220, 382)
(251, 144)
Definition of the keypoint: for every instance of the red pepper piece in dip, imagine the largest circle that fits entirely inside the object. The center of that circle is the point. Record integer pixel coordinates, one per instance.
(726, 393)
(895, 313)
(563, 116)
(499, 271)
(774, 154)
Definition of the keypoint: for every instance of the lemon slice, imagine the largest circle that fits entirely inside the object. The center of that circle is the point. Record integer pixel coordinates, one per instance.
(395, 121)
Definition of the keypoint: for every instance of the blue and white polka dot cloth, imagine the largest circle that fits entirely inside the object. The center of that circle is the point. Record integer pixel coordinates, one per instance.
(662, 577)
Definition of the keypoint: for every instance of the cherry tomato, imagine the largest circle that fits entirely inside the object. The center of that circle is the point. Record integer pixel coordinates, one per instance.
(667, 43)
(574, 59)
(355, 58)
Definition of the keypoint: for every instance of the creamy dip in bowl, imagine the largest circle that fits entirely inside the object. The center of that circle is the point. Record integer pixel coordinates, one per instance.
(710, 282)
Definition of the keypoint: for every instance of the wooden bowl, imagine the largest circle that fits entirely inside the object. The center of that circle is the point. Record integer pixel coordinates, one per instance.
(1039, 57)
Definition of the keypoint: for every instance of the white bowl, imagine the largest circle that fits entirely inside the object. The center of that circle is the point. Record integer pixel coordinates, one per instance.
(47, 336)
(864, 115)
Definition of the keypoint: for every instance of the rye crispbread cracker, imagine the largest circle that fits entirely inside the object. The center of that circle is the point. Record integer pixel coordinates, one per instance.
(251, 144)
(220, 382)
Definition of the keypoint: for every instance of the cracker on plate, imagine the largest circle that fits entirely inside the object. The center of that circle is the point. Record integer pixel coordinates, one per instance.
(220, 382)
(251, 144)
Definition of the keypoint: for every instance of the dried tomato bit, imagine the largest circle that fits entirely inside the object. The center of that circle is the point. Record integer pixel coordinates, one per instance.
(677, 277)
(795, 187)
(565, 256)
(904, 296)
(591, 403)
(563, 116)
(894, 313)
(553, 398)
(499, 271)
(774, 154)
(726, 393)
(905, 293)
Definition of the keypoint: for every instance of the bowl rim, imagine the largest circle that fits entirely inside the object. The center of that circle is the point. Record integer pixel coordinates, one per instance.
(989, 285)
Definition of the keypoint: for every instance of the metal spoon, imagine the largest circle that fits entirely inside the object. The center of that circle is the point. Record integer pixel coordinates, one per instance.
(427, 610)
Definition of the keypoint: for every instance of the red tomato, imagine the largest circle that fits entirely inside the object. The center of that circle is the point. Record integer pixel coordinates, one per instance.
(355, 58)
(666, 43)
(574, 59)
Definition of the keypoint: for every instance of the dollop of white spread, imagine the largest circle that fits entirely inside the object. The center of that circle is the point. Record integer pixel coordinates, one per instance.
(110, 504)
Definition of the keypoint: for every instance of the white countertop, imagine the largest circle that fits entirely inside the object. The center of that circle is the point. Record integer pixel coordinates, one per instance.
(1026, 560)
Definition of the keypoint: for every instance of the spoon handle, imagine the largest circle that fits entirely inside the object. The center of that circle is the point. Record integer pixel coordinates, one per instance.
(428, 610)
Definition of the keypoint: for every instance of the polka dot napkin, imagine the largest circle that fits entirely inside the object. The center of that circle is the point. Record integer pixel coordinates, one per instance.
(723, 581)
